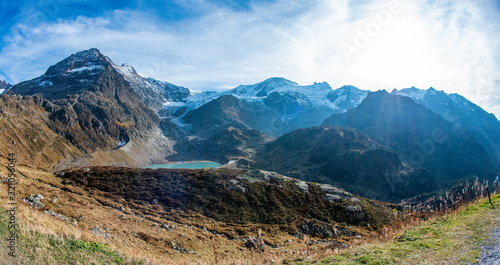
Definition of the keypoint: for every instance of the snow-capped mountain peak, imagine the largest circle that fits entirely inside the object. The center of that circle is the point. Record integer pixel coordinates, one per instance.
(89, 60)
(412, 92)
(276, 82)
(126, 70)
(346, 97)
(263, 88)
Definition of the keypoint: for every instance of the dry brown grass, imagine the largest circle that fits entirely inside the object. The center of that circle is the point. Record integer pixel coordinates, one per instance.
(126, 124)
(136, 237)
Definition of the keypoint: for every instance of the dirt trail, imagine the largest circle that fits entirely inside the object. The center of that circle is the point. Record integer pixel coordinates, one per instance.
(491, 252)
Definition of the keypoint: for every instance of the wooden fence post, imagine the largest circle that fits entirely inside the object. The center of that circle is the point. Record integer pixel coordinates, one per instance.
(489, 197)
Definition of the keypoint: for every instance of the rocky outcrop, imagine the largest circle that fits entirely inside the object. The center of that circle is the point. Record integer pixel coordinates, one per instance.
(34, 200)
(322, 230)
(236, 196)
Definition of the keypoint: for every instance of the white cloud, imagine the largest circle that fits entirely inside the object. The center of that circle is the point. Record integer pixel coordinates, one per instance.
(452, 47)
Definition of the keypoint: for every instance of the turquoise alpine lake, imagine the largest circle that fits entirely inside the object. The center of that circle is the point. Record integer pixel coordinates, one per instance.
(196, 165)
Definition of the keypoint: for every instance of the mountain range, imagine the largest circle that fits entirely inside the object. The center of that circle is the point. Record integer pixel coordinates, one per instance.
(483, 126)
(88, 111)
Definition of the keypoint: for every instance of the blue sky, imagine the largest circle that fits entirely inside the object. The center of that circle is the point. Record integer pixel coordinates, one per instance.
(218, 44)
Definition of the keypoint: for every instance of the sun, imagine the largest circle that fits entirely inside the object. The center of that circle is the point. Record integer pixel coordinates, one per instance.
(403, 54)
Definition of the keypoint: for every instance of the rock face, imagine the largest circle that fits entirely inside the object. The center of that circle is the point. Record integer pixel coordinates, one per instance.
(343, 157)
(421, 137)
(24, 125)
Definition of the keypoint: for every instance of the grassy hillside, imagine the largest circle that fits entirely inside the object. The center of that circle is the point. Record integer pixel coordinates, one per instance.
(34, 247)
(451, 239)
